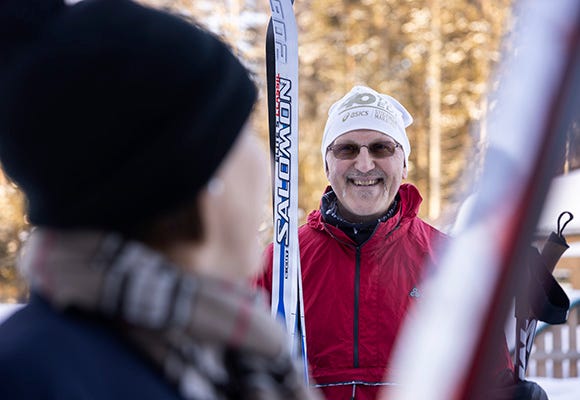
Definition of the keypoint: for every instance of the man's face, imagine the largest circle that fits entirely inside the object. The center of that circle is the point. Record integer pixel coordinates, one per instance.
(365, 186)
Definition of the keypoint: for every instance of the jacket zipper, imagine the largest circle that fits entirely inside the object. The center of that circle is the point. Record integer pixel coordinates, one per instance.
(356, 307)
(357, 285)
(357, 294)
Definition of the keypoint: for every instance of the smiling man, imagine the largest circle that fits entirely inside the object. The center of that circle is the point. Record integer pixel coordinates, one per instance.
(364, 252)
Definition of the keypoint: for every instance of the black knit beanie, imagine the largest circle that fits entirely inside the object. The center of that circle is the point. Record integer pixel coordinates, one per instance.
(112, 113)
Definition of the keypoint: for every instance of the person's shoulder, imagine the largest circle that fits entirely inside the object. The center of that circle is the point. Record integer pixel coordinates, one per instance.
(410, 200)
(313, 230)
(31, 342)
(45, 353)
(37, 335)
(313, 221)
(426, 233)
(28, 330)
(429, 228)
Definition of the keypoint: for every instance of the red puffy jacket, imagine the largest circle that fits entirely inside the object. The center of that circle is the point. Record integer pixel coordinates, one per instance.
(356, 297)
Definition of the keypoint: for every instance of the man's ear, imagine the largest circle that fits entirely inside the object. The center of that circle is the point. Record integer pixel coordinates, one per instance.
(326, 169)
(404, 170)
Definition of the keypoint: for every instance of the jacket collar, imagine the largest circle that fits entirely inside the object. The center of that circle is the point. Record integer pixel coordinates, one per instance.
(410, 201)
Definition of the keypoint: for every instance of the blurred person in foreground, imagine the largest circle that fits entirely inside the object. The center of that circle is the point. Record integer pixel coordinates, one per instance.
(365, 252)
(126, 128)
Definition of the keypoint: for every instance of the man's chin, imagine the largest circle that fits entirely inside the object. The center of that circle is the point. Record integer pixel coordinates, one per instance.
(365, 197)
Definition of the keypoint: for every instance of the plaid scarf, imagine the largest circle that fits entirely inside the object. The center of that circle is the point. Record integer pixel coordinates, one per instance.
(211, 338)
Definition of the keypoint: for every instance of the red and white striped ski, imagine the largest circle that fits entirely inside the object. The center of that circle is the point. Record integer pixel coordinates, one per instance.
(444, 351)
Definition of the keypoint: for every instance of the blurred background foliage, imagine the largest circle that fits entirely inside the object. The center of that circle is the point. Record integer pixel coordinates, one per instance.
(13, 228)
(434, 56)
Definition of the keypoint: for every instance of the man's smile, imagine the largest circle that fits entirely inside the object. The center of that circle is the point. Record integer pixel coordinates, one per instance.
(364, 182)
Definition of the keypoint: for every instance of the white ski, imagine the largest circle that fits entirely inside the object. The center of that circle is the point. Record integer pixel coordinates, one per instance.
(282, 49)
(445, 350)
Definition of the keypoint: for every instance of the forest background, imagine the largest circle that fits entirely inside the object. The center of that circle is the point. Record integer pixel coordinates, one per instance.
(436, 57)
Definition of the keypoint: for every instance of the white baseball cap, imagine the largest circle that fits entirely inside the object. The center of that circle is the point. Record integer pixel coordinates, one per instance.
(364, 108)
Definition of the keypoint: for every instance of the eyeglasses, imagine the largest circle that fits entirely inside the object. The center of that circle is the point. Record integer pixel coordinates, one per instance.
(349, 151)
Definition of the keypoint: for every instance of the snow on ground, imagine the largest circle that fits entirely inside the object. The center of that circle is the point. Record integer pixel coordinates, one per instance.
(560, 389)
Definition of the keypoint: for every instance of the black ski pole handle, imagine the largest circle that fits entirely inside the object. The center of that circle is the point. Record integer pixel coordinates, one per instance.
(551, 252)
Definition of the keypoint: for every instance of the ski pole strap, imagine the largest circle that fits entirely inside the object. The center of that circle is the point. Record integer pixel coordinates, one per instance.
(570, 218)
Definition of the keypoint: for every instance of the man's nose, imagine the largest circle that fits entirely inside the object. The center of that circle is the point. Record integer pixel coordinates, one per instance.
(364, 161)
